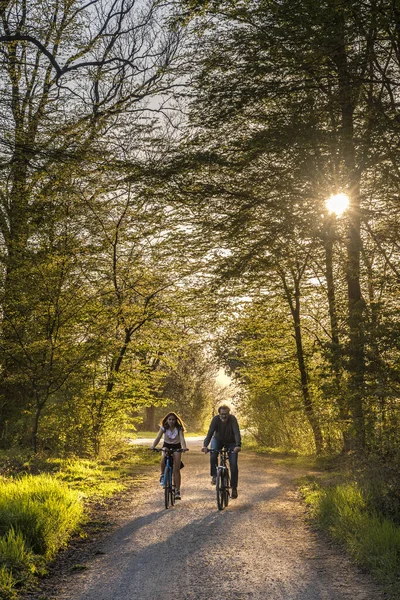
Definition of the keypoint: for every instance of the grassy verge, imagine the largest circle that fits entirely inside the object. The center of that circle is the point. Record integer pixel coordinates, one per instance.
(37, 516)
(343, 511)
(356, 501)
(251, 444)
(148, 435)
(43, 502)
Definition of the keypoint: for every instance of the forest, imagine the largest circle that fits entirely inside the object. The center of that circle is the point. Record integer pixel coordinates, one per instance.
(164, 176)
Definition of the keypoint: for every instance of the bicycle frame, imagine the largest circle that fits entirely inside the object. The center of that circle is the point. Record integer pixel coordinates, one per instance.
(223, 478)
(169, 489)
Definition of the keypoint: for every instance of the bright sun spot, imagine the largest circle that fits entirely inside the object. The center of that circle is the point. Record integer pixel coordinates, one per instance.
(223, 379)
(337, 204)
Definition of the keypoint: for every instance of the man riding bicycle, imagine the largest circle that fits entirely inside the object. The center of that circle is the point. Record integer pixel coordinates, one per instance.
(224, 432)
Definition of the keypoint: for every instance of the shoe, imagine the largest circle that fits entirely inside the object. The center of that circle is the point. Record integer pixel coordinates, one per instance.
(234, 493)
(177, 495)
(162, 479)
(213, 480)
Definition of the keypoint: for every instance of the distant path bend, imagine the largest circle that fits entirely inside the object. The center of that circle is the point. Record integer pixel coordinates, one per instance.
(259, 548)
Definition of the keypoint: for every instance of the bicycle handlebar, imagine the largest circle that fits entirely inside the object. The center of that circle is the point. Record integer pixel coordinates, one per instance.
(169, 450)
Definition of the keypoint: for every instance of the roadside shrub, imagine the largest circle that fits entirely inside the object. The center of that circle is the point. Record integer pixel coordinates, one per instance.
(43, 510)
(39, 511)
(7, 584)
(373, 540)
(14, 554)
(380, 478)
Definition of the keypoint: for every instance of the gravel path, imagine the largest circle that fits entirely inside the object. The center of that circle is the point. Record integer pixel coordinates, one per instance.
(259, 548)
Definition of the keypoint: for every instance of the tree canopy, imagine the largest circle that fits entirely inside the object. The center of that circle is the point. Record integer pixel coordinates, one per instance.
(163, 186)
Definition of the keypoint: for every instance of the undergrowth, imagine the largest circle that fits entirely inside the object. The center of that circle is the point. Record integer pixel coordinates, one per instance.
(356, 500)
(38, 514)
(344, 511)
(42, 503)
(251, 444)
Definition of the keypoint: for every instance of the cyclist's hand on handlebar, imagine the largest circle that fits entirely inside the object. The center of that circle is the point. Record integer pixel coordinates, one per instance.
(204, 449)
(237, 449)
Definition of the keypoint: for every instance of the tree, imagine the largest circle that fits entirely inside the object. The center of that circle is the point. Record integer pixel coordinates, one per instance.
(190, 388)
(291, 101)
(260, 352)
(66, 79)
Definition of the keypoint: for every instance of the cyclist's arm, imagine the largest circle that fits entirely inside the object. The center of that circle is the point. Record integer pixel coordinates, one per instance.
(211, 430)
(158, 438)
(238, 437)
(182, 440)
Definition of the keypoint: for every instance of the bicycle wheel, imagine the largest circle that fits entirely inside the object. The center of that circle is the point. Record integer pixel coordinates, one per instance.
(226, 487)
(167, 486)
(220, 490)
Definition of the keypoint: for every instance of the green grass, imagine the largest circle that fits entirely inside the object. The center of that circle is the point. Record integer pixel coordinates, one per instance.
(44, 510)
(7, 584)
(105, 478)
(42, 503)
(38, 514)
(90, 478)
(251, 444)
(150, 435)
(372, 540)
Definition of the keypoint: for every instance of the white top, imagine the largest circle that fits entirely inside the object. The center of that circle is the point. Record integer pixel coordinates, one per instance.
(171, 436)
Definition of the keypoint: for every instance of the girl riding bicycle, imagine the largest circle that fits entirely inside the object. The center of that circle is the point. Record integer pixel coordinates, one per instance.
(172, 428)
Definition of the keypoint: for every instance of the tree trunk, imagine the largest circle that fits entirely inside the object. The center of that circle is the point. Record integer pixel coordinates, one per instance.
(355, 302)
(35, 428)
(335, 350)
(307, 400)
(15, 310)
(308, 404)
(149, 423)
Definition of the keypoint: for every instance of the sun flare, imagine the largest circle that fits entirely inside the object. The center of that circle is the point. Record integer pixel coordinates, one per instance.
(337, 204)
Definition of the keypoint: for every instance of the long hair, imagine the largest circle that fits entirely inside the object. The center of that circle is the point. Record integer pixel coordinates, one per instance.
(179, 423)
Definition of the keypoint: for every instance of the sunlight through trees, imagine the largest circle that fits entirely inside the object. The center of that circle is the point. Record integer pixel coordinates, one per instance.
(167, 210)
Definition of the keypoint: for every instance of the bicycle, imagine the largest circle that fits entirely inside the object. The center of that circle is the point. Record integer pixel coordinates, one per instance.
(222, 483)
(169, 489)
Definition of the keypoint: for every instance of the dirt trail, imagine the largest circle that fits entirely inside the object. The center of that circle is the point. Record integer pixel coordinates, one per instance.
(259, 548)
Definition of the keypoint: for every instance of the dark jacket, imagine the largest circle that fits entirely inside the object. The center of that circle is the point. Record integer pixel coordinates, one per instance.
(227, 433)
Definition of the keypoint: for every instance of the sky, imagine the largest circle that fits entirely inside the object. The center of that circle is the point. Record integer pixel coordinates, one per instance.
(223, 379)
